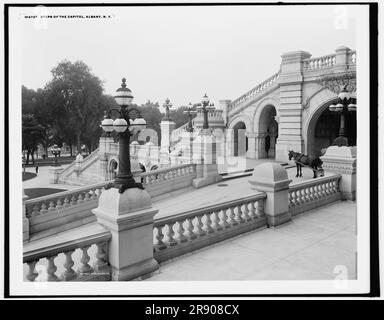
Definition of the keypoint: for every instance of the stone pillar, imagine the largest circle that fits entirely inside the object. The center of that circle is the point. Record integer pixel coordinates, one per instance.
(252, 145)
(25, 220)
(166, 129)
(290, 109)
(54, 173)
(341, 64)
(187, 144)
(129, 218)
(342, 160)
(224, 105)
(272, 179)
(206, 161)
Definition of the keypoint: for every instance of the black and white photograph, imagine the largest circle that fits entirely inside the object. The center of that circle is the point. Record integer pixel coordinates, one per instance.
(184, 149)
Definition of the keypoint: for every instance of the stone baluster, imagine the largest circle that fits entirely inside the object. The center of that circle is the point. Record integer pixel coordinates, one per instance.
(239, 213)
(159, 244)
(80, 198)
(216, 221)
(66, 202)
(73, 200)
(84, 266)
(51, 206)
(43, 209)
(32, 274)
(180, 231)
(246, 215)
(231, 217)
(198, 227)
(69, 273)
(171, 235)
(224, 219)
(260, 208)
(101, 262)
(51, 269)
(59, 204)
(208, 223)
(189, 229)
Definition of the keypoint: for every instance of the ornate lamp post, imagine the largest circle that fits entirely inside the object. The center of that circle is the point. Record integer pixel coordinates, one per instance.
(206, 106)
(167, 104)
(55, 150)
(125, 127)
(190, 111)
(345, 104)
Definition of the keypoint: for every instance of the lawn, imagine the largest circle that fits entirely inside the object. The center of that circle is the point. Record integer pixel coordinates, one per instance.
(28, 175)
(40, 192)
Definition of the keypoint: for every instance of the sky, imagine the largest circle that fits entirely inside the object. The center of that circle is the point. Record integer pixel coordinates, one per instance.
(181, 53)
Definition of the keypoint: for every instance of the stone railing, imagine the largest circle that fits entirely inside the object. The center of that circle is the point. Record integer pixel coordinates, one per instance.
(86, 161)
(313, 193)
(160, 175)
(69, 209)
(67, 254)
(175, 134)
(191, 230)
(255, 91)
(54, 202)
(320, 62)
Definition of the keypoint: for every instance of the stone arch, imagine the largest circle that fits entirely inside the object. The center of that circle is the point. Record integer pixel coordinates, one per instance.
(237, 140)
(269, 100)
(318, 110)
(266, 128)
(113, 166)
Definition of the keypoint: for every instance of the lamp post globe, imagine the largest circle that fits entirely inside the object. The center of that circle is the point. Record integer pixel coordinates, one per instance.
(55, 150)
(346, 103)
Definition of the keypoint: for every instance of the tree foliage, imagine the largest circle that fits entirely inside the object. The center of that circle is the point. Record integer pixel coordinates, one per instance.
(74, 96)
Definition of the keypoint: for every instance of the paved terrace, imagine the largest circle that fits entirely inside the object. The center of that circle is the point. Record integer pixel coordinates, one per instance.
(308, 248)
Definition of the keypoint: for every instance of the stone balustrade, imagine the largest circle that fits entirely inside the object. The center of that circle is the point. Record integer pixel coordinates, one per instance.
(191, 230)
(54, 202)
(176, 134)
(66, 253)
(255, 91)
(160, 175)
(320, 62)
(313, 193)
(86, 161)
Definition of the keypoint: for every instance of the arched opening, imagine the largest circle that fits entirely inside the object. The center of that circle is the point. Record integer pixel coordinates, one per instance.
(240, 140)
(155, 167)
(268, 133)
(323, 129)
(142, 167)
(112, 169)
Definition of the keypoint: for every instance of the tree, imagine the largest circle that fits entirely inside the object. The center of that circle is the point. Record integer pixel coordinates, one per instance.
(74, 96)
(33, 103)
(32, 134)
(178, 116)
(152, 115)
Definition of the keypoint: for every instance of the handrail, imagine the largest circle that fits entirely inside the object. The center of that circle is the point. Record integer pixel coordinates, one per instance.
(200, 211)
(68, 192)
(90, 156)
(70, 245)
(316, 181)
(251, 93)
(100, 185)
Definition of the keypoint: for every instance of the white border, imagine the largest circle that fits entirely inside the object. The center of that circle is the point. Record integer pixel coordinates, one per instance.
(18, 287)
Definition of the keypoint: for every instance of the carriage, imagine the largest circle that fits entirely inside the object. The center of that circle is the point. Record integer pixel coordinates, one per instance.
(302, 160)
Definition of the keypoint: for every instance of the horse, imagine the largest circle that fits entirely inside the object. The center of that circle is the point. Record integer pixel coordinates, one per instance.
(304, 160)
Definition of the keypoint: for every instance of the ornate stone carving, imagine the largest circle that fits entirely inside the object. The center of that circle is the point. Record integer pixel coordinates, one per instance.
(336, 82)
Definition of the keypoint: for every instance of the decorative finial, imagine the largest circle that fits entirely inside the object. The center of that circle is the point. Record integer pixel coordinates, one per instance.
(123, 84)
